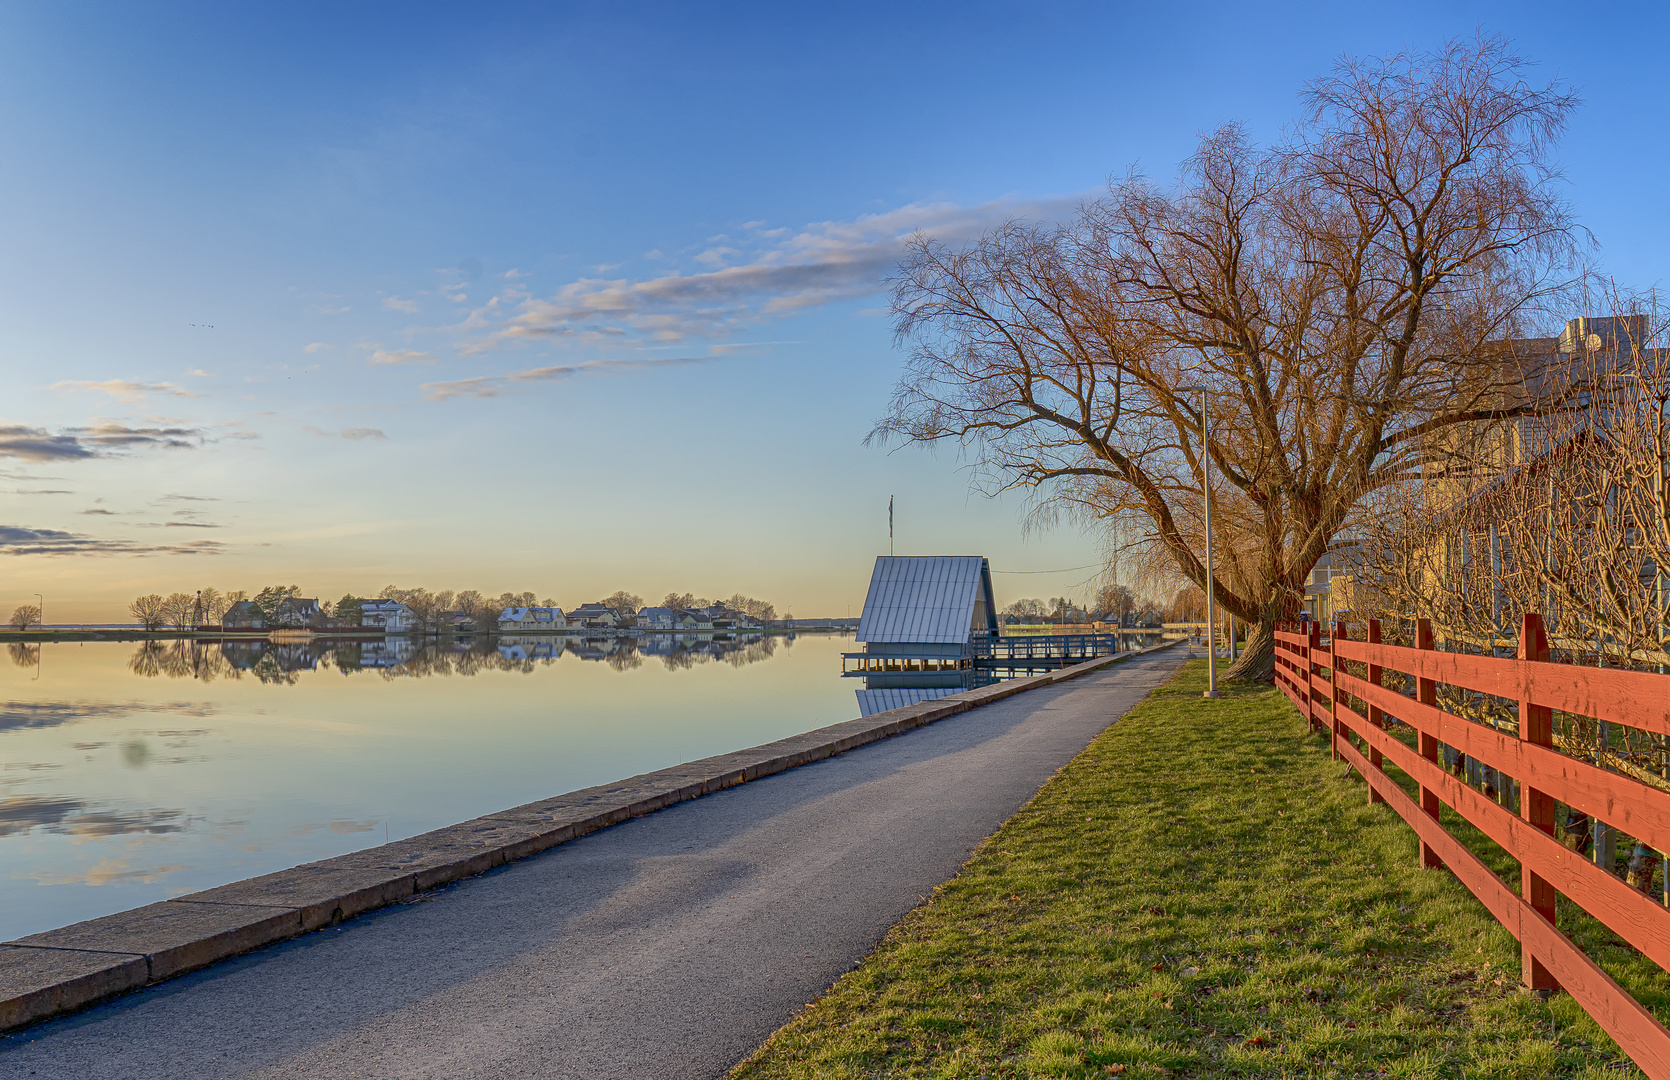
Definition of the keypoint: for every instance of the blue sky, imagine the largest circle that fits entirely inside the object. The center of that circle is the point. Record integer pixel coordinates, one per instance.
(579, 297)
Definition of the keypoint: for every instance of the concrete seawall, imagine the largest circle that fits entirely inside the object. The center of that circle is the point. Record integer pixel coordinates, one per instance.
(63, 970)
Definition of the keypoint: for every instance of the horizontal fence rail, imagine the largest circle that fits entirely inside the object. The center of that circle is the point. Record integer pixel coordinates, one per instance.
(1315, 677)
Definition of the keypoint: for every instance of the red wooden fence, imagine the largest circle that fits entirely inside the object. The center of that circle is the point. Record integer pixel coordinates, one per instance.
(1311, 674)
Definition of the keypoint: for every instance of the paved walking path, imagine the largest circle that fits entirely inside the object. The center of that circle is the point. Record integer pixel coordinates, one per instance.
(667, 946)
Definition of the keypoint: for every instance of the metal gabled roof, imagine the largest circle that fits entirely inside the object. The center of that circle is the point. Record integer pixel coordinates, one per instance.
(924, 598)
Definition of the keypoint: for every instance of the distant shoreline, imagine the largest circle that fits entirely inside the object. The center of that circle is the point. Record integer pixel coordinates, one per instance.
(361, 633)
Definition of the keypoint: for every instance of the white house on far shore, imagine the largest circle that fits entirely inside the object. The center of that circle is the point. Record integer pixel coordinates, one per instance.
(390, 616)
(532, 618)
(656, 618)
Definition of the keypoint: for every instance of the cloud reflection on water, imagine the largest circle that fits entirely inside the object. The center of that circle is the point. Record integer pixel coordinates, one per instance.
(16, 715)
(22, 814)
(109, 871)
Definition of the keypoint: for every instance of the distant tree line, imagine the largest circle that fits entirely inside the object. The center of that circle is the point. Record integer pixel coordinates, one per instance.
(208, 607)
(754, 609)
(1118, 604)
(182, 611)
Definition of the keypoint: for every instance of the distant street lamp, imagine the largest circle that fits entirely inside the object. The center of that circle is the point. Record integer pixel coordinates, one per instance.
(1206, 497)
(40, 610)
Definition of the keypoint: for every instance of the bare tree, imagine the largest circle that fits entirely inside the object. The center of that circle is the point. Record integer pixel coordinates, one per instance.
(25, 616)
(482, 610)
(1117, 601)
(178, 610)
(149, 611)
(759, 610)
(1188, 605)
(521, 599)
(623, 602)
(1337, 295)
(212, 605)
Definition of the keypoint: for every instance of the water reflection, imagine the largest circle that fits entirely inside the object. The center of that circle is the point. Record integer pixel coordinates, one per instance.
(46, 714)
(116, 791)
(280, 662)
(21, 814)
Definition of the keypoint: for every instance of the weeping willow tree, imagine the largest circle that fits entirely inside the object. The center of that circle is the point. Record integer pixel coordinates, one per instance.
(1336, 295)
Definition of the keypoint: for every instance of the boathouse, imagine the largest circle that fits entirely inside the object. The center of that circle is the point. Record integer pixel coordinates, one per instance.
(925, 613)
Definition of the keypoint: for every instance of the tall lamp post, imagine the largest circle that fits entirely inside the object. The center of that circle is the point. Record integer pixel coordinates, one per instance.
(41, 611)
(1206, 497)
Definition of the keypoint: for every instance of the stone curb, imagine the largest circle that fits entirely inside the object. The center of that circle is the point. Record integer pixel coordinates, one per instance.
(73, 967)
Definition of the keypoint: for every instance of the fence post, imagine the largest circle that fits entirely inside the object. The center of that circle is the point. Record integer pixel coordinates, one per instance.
(1313, 645)
(1376, 717)
(1334, 691)
(1536, 725)
(1426, 692)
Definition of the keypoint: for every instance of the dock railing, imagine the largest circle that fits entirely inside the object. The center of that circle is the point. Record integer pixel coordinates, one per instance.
(1323, 682)
(1054, 647)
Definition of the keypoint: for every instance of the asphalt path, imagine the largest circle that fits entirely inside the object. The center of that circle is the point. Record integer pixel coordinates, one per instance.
(667, 946)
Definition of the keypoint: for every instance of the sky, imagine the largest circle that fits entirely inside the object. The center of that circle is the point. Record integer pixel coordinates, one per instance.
(580, 297)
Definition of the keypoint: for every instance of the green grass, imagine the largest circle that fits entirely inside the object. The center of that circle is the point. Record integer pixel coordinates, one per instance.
(1202, 892)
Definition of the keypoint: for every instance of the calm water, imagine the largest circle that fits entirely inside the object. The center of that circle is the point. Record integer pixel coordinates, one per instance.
(132, 772)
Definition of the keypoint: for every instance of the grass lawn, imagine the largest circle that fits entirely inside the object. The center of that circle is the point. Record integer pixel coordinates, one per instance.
(1202, 892)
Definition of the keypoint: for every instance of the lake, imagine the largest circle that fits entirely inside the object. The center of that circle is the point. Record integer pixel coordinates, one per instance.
(131, 772)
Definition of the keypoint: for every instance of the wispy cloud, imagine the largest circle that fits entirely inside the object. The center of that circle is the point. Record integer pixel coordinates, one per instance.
(16, 540)
(395, 303)
(380, 355)
(489, 386)
(126, 389)
(765, 274)
(316, 346)
(96, 440)
(354, 433)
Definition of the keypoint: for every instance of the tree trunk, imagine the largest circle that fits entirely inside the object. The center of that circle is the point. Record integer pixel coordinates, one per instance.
(1257, 663)
(1642, 862)
(1579, 830)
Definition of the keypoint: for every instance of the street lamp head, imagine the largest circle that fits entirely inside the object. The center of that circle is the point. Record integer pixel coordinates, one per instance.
(1192, 389)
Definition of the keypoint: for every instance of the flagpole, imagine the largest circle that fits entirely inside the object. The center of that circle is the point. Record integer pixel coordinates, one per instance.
(890, 525)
